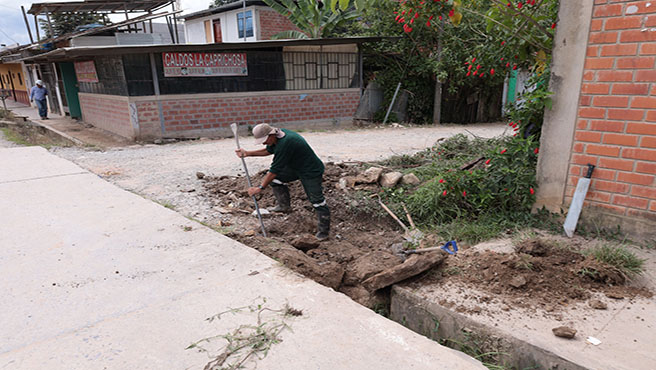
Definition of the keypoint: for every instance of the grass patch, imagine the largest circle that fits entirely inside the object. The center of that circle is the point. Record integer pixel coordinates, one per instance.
(618, 257)
(15, 137)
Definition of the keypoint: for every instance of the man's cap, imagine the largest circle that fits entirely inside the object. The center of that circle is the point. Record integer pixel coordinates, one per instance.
(39, 82)
(262, 132)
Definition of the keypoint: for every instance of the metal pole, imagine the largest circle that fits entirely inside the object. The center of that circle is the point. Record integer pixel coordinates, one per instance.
(248, 178)
(52, 34)
(243, 20)
(175, 24)
(360, 71)
(392, 103)
(36, 25)
(27, 24)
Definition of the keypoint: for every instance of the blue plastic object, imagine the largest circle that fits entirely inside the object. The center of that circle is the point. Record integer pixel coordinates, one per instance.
(454, 248)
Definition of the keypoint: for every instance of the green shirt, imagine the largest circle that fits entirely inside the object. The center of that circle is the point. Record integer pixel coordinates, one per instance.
(292, 152)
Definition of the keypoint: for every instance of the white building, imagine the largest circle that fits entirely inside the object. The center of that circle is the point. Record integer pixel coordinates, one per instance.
(229, 22)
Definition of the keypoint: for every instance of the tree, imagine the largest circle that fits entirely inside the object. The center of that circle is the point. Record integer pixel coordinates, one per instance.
(311, 17)
(63, 23)
(217, 3)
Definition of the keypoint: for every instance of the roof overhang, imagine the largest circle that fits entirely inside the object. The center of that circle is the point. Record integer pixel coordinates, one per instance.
(221, 9)
(99, 6)
(70, 53)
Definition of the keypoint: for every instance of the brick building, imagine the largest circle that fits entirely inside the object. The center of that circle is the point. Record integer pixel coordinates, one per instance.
(604, 76)
(181, 91)
(234, 23)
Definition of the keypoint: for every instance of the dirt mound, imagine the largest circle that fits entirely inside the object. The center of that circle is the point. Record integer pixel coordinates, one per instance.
(538, 275)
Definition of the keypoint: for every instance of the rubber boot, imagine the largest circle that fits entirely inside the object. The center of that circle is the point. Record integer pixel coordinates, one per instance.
(323, 227)
(281, 192)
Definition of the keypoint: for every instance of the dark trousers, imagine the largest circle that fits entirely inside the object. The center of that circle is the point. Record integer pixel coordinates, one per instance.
(43, 107)
(313, 187)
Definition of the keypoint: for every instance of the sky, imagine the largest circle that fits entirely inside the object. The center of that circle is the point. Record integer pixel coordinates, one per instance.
(12, 25)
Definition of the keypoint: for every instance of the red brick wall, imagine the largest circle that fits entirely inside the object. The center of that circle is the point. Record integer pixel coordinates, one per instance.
(271, 23)
(616, 126)
(220, 111)
(148, 117)
(107, 112)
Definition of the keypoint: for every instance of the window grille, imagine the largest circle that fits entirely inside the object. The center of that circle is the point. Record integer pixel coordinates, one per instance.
(313, 70)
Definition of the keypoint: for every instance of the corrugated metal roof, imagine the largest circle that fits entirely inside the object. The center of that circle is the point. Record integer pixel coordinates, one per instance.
(98, 6)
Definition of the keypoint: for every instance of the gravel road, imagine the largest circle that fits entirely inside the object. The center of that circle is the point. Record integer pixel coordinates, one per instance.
(167, 173)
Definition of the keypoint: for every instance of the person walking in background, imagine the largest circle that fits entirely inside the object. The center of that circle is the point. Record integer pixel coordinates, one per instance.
(38, 94)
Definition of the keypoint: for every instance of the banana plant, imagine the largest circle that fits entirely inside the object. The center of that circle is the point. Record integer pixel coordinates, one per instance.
(311, 17)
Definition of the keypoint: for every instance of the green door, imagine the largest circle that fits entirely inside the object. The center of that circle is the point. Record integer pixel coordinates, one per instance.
(70, 88)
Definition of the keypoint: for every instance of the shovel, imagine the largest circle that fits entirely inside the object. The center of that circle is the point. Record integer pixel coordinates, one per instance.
(248, 178)
(413, 235)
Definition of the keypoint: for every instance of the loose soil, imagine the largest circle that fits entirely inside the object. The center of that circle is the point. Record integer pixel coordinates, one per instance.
(361, 236)
(539, 274)
(365, 240)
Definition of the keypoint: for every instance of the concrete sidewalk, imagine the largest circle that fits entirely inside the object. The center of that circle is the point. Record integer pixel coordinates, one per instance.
(95, 277)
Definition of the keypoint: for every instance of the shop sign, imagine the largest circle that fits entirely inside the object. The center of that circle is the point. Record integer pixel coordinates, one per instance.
(204, 64)
(86, 71)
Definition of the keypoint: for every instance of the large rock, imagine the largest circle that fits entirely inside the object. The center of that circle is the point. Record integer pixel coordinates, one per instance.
(328, 273)
(370, 176)
(414, 265)
(368, 265)
(410, 179)
(346, 182)
(390, 179)
(564, 332)
(305, 242)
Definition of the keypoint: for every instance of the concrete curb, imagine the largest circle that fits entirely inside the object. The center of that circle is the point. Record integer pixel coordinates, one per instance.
(438, 323)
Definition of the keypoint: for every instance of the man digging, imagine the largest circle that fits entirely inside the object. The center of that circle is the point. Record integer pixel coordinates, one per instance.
(293, 159)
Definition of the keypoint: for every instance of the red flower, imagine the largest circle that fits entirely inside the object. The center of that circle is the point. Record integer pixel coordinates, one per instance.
(503, 151)
(507, 64)
(444, 193)
(492, 71)
(510, 124)
(519, 5)
(398, 17)
(416, 15)
(469, 68)
(536, 151)
(427, 23)
(474, 60)
(464, 193)
(451, 13)
(440, 17)
(468, 74)
(482, 74)
(441, 181)
(502, 43)
(514, 66)
(553, 26)
(403, 12)
(430, 18)
(532, 191)
(509, 5)
(478, 67)
(488, 161)
(412, 21)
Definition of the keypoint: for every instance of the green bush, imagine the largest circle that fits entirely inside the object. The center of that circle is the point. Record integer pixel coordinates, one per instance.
(504, 186)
